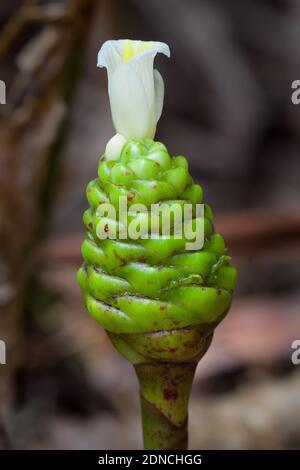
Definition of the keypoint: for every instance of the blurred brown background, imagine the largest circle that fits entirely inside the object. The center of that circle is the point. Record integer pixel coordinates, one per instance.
(228, 109)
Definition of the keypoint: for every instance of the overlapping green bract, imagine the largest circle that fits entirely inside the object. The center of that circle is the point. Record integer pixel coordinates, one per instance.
(158, 301)
(147, 285)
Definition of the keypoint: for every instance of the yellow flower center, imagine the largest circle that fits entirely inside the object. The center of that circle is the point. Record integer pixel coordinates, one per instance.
(133, 48)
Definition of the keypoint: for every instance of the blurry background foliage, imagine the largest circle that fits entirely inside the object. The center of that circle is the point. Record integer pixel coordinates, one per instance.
(228, 110)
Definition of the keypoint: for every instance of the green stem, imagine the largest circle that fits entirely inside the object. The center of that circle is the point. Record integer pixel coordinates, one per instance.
(165, 390)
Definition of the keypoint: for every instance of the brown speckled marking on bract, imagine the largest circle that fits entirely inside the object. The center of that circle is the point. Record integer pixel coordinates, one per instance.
(170, 394)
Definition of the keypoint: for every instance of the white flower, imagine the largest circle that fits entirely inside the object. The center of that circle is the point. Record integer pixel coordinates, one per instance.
(136, 90)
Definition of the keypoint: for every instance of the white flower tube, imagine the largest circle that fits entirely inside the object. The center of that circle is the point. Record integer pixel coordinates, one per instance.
(136, 90)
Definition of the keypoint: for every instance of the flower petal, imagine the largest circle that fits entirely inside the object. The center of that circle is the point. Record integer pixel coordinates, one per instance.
(109, 56)
(140, 49)
(159, 88)
(114, 52)
(129, 104)
(114, 147)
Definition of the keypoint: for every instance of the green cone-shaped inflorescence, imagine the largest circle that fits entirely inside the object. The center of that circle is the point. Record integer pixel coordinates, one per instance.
(158, 302)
